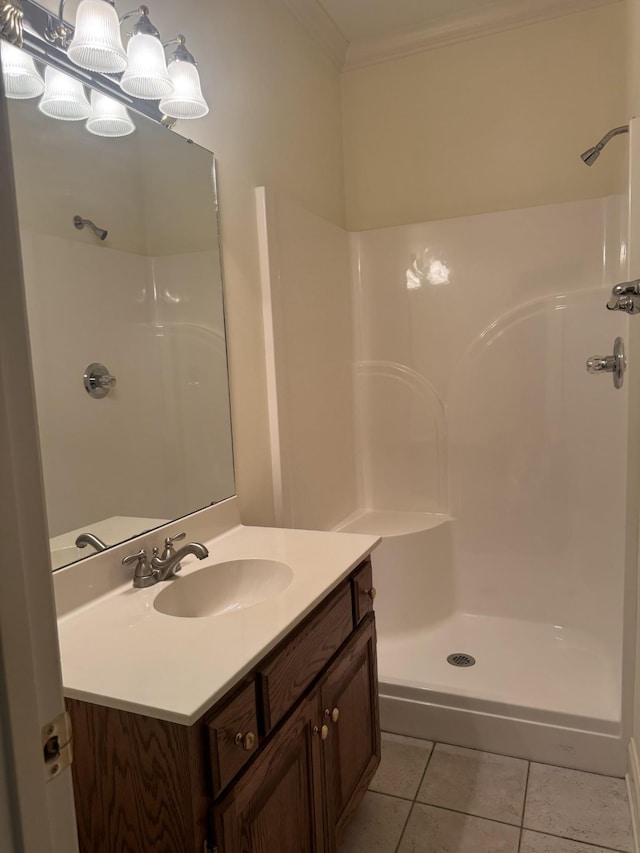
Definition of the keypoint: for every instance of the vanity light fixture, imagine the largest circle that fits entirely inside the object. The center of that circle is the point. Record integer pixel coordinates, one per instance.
(64, 97)
(96, 44)
(186, 100)
(146, 75)
(92, 54)
(108, 117)
(21, 77)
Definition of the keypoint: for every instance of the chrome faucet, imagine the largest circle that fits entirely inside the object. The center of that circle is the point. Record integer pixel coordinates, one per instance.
(163, 566)
(625, 297)
(168, 563)
(89, 539)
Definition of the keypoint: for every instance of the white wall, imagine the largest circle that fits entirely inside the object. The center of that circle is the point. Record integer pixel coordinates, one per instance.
(500, 351)
(489, 124)
(310, 354)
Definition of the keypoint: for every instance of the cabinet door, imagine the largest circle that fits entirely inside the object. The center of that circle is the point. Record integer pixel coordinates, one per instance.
(349, 695)
(276, 805)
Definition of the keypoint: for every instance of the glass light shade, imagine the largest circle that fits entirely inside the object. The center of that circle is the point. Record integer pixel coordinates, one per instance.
(96, 43)
(187, 100)
(108, 117)
(64, 98)
(21, 78)
(146, 75)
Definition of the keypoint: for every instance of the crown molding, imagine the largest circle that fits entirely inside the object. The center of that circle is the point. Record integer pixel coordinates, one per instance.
(321, 27)
(447, 31)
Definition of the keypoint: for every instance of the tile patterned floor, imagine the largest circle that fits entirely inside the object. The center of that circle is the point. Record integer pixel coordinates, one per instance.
(438, 798)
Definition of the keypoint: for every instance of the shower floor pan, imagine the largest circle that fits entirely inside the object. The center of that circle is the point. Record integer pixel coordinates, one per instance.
(535, 691)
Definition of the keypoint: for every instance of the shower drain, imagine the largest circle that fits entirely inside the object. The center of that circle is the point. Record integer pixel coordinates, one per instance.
(461, 659)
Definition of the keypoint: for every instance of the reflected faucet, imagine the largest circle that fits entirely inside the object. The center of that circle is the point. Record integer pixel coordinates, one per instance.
(89, 539)
(625, 297)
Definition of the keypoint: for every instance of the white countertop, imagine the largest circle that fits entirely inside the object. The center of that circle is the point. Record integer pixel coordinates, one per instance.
(118, 650)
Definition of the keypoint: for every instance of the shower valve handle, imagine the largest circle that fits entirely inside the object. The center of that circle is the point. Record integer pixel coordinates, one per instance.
(616, 363)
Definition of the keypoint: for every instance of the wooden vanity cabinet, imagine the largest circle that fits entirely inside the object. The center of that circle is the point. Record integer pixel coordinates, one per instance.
(349, 701)
(277, 766)
(277, 805)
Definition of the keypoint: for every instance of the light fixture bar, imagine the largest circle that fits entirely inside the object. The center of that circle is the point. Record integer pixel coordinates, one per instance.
(36, 43)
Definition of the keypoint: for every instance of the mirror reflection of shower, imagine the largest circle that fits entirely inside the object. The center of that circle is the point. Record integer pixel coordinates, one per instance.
(590, 156)
(80, 223)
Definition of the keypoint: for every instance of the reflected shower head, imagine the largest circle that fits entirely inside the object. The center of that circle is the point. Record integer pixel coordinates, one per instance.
(591, 154)
(79, 223)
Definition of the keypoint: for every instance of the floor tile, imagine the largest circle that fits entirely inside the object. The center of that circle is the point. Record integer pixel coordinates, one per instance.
(535, 842)
(477, 783)
(402, 765)
(377, 825)
(580, 806)
(431, 830)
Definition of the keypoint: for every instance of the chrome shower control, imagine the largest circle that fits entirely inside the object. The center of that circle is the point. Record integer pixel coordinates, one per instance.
(98, 381)
(616, 363)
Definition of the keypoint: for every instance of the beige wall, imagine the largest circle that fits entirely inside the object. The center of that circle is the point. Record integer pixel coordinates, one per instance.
(485, 125)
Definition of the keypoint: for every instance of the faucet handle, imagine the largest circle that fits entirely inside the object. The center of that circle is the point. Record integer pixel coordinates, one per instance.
(168, 542)
(143, 574)
(169, 550)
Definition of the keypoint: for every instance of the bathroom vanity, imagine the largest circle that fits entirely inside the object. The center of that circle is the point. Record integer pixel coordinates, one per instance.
(283, 753)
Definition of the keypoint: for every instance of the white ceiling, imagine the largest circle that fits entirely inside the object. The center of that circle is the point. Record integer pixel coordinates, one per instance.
(369, 20)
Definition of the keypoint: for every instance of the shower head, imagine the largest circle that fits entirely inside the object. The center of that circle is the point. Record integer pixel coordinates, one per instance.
(80, 223)
(591, 154)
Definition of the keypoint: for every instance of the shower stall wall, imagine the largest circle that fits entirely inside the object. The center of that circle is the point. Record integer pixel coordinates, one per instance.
(493, 466)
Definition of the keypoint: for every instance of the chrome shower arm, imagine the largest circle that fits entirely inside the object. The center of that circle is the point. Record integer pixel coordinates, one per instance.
(624, 128)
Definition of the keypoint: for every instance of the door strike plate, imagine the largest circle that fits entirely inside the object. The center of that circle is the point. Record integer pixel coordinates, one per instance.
(57, 746)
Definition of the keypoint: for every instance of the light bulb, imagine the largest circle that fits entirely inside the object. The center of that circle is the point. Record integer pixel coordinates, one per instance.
(108, 117)
(146, 75)
(64, 98)
(21, 77)
(96, 43)
(187, 100)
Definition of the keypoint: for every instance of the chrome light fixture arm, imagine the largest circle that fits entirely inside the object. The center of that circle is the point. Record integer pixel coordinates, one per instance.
(180, 54)
(58, 32)
(143, 25)
(12, 21)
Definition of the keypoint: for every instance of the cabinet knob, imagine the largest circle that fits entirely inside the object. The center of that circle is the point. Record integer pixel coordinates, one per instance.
(323, 732)
(247, 742)
(335, 714)
(371, 592)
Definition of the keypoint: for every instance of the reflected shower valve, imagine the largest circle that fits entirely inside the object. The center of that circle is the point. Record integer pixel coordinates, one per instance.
(98, 381)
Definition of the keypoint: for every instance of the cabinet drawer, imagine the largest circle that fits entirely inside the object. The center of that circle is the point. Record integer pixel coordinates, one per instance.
(363, 592)
(233, 737)
(286, 675)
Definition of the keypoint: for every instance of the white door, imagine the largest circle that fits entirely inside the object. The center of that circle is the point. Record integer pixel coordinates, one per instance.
(36, 815)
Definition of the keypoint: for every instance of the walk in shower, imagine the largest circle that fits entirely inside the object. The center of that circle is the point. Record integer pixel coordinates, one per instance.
(494, 466)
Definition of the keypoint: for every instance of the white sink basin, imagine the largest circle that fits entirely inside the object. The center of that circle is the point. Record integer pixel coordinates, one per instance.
(224, 588)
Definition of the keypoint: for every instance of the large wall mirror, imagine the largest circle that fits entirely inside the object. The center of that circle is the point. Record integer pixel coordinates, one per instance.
(144, 300)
